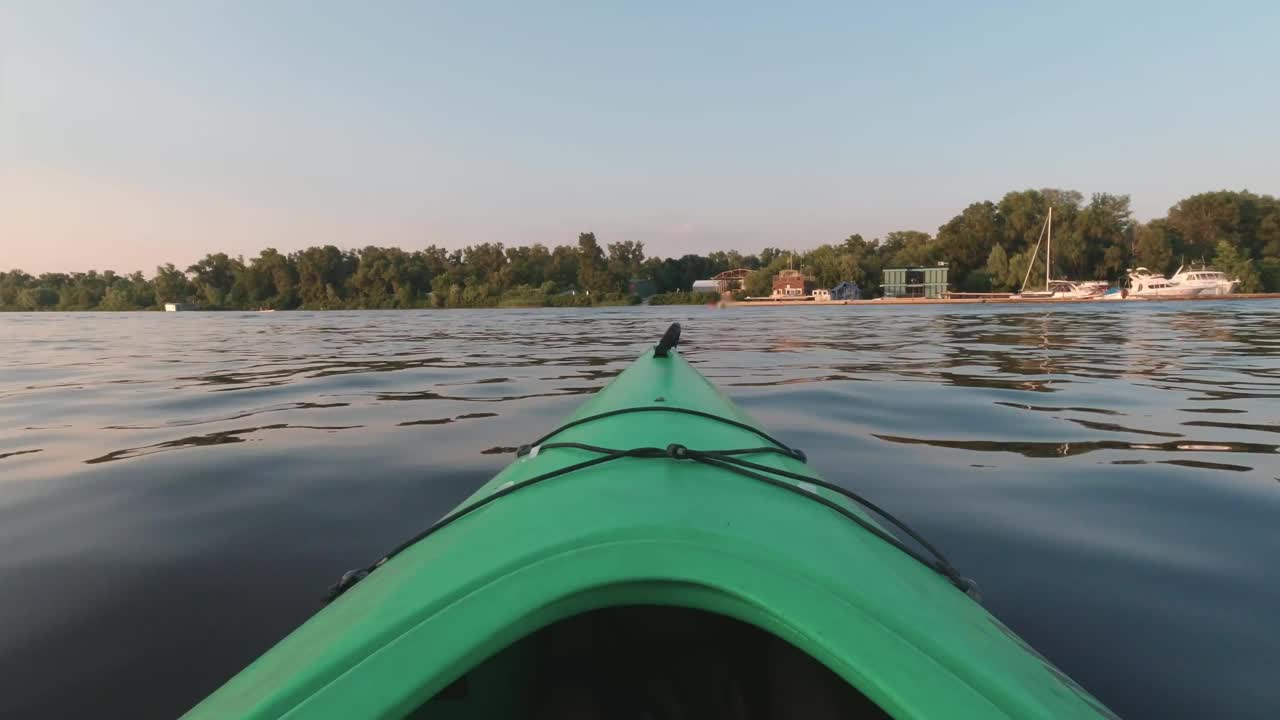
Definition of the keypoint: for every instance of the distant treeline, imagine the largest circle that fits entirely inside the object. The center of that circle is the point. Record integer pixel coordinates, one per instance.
(988, 246)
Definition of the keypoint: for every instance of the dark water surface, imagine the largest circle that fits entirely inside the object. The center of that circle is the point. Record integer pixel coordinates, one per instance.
(177, 490)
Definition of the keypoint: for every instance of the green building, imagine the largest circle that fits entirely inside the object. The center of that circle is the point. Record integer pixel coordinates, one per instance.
(921, 282)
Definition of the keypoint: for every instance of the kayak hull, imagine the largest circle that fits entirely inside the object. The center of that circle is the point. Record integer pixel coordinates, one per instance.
(659, 532)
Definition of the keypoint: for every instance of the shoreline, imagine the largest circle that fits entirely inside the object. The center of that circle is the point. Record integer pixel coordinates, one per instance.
(993, 301)
(877, 302)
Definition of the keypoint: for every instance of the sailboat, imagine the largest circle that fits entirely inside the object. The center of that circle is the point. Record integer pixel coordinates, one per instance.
(1056, 289)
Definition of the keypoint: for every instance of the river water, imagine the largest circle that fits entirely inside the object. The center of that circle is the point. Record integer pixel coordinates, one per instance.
(178, 490)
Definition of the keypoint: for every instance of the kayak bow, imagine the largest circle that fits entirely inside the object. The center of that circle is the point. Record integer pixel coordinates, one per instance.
(658, 550)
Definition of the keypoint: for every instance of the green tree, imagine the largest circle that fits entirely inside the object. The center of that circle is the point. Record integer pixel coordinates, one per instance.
(966, 240)
(908, 248)
(1270, 272)
(770, 254)
(1152, 248)
(170, 285)
(1235, 264)
(126, 296)
(759, 283)
(998, 269)
(626, 260)
(593, 273)
(323, 275)
(131, 292)
(529, 265)
(385, 278)
(1103, 230)
(975, 281)
(1019, 263)
(486, 263)
(37, 298)
(860, 263)
(1268, 240)
(11, 285)
(1201, 221)
(823, 263)
(272, 280)
(430, 264)
(214, 276)
(1022, 217)
(1070, 249)
(563, 270)
(79, 291)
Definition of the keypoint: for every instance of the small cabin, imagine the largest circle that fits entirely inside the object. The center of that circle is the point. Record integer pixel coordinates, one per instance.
(177, 307)
(846, 290)
(821, 294)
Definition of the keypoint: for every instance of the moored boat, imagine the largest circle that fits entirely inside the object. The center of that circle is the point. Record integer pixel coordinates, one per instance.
(1056, 289)
(1185, 283)
(658, 555)
(1065, 290)
(1204, 280)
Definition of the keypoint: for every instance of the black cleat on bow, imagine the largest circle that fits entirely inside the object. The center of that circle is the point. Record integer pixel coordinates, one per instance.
(670, 339)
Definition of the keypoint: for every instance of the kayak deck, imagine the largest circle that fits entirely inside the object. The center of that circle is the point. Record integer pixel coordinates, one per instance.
(663, 534)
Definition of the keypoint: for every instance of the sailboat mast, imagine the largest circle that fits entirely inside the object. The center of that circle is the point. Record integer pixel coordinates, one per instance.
(1048, 250)
(1031, 264)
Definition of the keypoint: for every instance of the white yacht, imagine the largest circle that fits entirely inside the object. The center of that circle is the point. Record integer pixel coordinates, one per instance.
(1145, 284)
(1205, 280)
(1184, 284)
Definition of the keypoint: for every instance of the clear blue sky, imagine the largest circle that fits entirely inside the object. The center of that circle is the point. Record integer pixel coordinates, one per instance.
(133, 133)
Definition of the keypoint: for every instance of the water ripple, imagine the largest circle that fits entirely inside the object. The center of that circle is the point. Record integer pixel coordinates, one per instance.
(1064, 449)
(224, 437)
(1096, 468)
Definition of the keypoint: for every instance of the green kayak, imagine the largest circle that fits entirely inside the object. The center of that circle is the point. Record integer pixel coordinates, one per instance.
(658, 556)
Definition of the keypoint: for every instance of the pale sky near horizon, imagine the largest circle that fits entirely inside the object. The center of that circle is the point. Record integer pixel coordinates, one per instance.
(137, 133)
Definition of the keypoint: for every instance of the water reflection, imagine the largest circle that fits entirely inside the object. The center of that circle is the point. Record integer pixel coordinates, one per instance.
(1051, 408)
(225, 437)
(1068, 449)
(445, 421)
(1203, 464)
(233, 416)
(1113, 427)
(432, 395)
(1235, 426)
